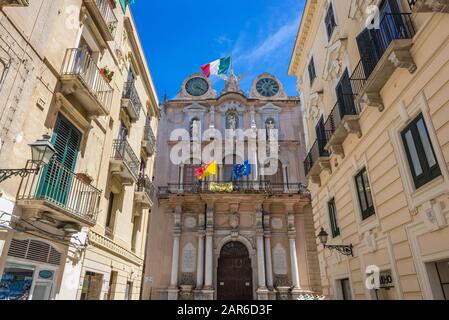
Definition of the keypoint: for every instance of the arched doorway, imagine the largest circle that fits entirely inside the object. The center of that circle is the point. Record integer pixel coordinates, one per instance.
(235, 275)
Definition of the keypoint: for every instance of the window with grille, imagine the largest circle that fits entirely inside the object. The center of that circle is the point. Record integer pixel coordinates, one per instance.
(329, 20)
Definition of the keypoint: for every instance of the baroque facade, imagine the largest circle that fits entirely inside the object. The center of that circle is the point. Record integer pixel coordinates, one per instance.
(75, 70)
(245, 239)
(373, 77)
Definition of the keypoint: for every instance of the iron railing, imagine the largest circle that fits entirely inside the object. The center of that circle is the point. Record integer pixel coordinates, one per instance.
(144, 184)
(346, 106)
(315, 152)
(78, 62)
(412, 4)
(393, 26)
(248, 187)
(130, 92)
(150, 138)
(62, 188)
(105, 8)
(122, 150)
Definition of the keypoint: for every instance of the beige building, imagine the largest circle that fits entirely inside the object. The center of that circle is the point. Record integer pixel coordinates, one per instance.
(228, 238)
(375, 98)
(75, 70)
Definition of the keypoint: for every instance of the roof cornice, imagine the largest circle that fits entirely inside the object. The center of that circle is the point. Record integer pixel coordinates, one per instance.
(305, 29)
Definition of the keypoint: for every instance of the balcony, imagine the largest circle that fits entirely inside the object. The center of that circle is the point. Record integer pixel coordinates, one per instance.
(145, 192)
(131, 101)
(59, 195)
(387, 50)
(14, 3)
(103, 15)
(429, 5)
(317, 161)
(149, 140)
(81, 78)
(233, 187)
(342, 121)
(125, 164)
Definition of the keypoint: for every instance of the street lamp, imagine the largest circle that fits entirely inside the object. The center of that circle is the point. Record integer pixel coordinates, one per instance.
(343, 249)
(42, 151)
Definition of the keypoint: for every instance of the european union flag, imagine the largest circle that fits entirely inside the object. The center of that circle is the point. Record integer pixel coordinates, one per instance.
(241, 170)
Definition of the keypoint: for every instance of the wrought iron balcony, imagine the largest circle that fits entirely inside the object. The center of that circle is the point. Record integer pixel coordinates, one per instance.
(429, 5)
(317, 160)
(104, 17)
(57, 191)
(145, 192)
(131, 101)
(82, 79)
(233, 187)
(149, 140)
(125, 164)
(390, 50)
(342, 121)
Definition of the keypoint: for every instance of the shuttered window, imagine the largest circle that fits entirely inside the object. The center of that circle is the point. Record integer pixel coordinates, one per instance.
(330, 21)
(312, 71)
(66, 139)
(333, 218)
(365, 194)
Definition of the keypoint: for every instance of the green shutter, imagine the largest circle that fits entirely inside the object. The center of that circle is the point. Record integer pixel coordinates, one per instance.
(56, 182)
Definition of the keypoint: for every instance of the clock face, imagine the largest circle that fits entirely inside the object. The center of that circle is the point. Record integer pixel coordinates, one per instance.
(197, 87)
(267, 87)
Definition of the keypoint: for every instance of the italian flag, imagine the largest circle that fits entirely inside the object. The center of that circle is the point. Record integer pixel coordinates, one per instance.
(218, 67)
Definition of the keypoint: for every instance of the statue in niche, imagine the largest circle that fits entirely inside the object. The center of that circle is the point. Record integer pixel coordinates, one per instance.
(232, 121)
(271, 130)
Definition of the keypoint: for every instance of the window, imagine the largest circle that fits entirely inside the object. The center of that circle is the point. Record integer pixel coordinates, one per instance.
(364, 194)
(109, 217)
(333, 218)
(129, 290)
(420, 153)
(329, 20)
(312, 72)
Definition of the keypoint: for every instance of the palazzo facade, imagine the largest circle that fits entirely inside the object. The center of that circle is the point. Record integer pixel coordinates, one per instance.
(244, 240)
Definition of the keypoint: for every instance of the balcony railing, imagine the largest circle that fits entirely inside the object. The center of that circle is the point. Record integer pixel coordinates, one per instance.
(131, 94)
(347, 106)
(79, 63)
(63, 189)
(104, 6)
(14, 3)
(429, 5)
(121, 150)
(393, 26)
(144, 184)
(242, 187)
(149, 139)
(315, 153)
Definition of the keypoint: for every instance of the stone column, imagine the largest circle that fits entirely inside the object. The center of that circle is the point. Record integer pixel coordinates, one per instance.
(173, 290)
(268, 258)
(262, 292)
(293, 255)
(208, 278)
(200, 261)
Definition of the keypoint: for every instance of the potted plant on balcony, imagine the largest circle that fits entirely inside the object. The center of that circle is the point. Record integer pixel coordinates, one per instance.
(107, 74)
(85, 177)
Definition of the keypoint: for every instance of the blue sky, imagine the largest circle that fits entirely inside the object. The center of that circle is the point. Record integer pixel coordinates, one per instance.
(180, 36)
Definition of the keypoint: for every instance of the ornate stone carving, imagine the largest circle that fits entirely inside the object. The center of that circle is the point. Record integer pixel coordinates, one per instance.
(210, 94)
(433, 215)
(277, 223)
(334, 59)
(189, 222)
(370, 241)
(234, 220)
(280, 260)
(188, 258)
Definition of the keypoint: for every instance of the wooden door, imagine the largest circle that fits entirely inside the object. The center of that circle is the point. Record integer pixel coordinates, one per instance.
(234, 281)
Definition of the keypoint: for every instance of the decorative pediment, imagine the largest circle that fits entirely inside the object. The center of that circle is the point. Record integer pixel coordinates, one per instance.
(195, 109)
(232, 106)
(313, 110)
(334, 59)
(270, 109)
(358, 8)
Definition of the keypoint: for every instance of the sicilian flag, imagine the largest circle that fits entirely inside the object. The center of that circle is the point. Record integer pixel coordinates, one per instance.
(218, 68)
(206, 170)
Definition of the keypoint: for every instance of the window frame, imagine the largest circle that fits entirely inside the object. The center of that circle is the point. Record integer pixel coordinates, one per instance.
(370, 210)
(428, 174)
(312, 71)
(329, 21)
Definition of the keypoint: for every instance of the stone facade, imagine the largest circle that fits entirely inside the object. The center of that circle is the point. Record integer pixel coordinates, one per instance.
(57, 59)
(398, 222)
(262, 223)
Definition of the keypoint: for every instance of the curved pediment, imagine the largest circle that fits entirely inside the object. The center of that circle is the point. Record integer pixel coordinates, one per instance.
(333, 66)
